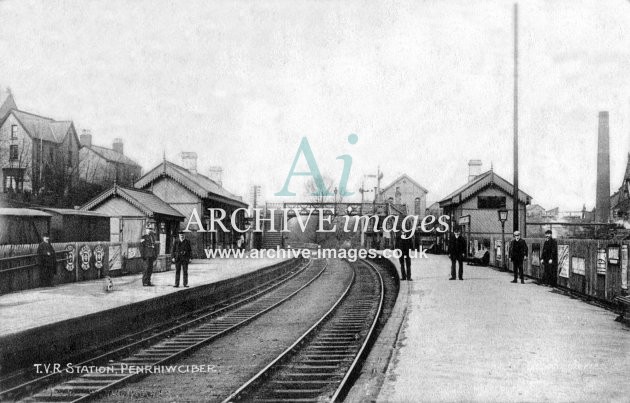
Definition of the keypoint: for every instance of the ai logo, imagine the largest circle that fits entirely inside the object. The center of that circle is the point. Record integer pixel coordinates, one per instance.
(313, 170)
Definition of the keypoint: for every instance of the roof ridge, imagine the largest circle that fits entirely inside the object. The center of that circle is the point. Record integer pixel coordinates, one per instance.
(134, 201)
(32, 114)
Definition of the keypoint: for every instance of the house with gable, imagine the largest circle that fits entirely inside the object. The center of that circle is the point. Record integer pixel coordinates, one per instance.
(406, 191)
(37, 154)
(104, 166)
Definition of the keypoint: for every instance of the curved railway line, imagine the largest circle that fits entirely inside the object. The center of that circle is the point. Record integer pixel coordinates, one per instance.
(321, 364)
(83, 388)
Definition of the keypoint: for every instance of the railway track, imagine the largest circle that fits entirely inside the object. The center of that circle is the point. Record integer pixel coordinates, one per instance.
(321, 364)
(177, 340)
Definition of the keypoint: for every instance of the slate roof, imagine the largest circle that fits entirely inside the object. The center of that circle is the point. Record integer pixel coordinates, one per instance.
(39, 127)
(23, 212)
(202, 186)
(144, 201)
(113, 156)
(482, 181)
(404, 176)
(7, 102)
(70, 211)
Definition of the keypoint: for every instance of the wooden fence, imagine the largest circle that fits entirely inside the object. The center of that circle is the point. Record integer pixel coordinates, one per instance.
(595, 268)
(76, 261)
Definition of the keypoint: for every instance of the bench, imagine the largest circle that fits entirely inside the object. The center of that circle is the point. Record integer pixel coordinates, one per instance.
(624, 305)
(481, 258)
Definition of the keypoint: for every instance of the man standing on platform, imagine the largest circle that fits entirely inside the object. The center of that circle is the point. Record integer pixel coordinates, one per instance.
(457, 252)
(405, 246)
(549, 258)
(47, 262)
(518, 253)
(148, 251)
(181, 253)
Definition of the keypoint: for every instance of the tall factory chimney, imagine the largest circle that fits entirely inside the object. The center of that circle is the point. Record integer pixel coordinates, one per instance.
(602, 201)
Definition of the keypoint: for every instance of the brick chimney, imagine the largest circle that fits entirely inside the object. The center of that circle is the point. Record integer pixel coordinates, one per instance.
(118, 145)
(86, 138)
(189, 160)
(216, 174)
(474, 169)
(602, 195)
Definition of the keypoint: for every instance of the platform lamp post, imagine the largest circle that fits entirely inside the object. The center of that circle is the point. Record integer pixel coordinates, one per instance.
(503, 215)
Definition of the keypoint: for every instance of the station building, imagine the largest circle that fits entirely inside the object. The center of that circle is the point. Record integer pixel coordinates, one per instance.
(475, 205)
(185, 190)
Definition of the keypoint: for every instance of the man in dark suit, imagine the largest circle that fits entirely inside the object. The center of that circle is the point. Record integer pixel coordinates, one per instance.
(405, 245)
(181, 253)
(148, 252)
(549, 259)
(518, 253)
(47, 262)
(457, 252)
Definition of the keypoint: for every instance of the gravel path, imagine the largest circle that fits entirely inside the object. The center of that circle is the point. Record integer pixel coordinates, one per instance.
(236, 357)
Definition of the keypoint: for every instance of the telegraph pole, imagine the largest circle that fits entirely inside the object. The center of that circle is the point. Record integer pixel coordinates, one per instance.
(515, 204)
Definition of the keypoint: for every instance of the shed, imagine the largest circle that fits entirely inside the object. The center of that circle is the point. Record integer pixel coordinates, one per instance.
(23, 226)
(131, 209)
(70, 225)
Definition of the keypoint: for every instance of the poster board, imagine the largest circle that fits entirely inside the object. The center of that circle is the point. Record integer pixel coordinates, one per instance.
(578, 265)
(563, 261)
(613, 254)
(624, 267)
(601, 261)
(497, 247)
(536, 254)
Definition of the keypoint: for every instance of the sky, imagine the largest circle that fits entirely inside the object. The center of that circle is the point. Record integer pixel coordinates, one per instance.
(425, 85)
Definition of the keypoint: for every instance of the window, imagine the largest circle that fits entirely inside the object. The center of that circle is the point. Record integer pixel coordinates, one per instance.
(490, 202)
(69, 158)
(13, 179)
(417, 206)
(13, 132)
(13, 153)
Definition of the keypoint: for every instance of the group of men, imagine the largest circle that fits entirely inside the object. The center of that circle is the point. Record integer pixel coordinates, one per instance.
(457, 251)
(517, 254)
(181, 254)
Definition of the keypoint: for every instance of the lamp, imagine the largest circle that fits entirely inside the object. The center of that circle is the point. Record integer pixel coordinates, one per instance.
(503, 215)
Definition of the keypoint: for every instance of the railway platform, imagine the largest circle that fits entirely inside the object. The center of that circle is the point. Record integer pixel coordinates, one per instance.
(486, 339)
(40, 324)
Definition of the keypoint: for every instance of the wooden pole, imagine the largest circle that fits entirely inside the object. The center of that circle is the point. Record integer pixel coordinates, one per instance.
(515, 203)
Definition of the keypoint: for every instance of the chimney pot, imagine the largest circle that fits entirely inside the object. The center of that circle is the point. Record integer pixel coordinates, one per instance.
(189, 160)
(118, 145)
(216, 174)
(86, 138)
(474, 169)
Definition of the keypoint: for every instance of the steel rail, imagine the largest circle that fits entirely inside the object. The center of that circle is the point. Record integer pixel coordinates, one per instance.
(337, 354)
(89, 386)
(140, 339)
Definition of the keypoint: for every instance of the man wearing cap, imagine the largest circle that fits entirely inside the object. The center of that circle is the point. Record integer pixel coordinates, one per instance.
(518, 253)
(47, 262)
(404, 243)
(181, 253)
(148, 252)
(457, 252)
(549, 259)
